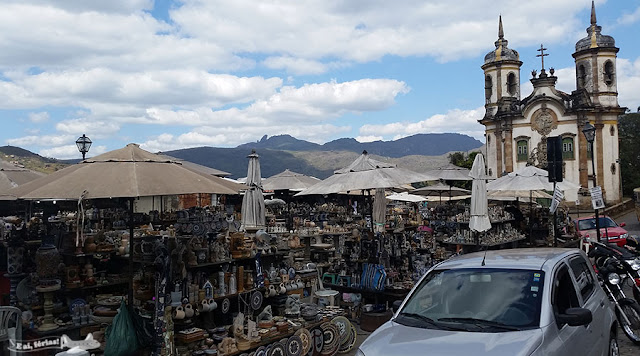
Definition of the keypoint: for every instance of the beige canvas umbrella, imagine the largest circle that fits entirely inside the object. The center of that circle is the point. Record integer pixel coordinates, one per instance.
(128, 172)
(365, 173)
(442, 191)
(253, 208)
(12, 176)
(449, 173)
(289, 180)
(406, 197)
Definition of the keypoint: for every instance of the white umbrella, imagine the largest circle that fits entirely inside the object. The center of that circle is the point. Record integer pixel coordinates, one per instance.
(449, 173)
(521, 195)
(405, 196)
(253, 209)
(289, 180)
(479, 211)
(528, 178)
(365, 173)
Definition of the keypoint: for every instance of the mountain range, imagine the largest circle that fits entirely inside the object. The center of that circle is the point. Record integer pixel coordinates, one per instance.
(277, 153)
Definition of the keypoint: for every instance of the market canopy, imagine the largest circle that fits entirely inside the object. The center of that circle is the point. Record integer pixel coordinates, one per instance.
(449, 173)
(365, 173)
(128, 172)
(406, 197)
(289, 180)
(529, 178)
(12, 176)
(441, 189)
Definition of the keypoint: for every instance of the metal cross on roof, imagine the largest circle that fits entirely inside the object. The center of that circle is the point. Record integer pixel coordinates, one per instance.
(542, 54)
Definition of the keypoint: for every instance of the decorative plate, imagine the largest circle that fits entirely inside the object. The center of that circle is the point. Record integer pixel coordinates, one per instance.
(226, 304)
(293, 347)
(344, 328)
(277, 349)
(331, 337)
(317, 342)
(190, 227)
(292, 273)
(256, 300)
(198, 229)
(267, 350)
(305, 338)
(351, 342)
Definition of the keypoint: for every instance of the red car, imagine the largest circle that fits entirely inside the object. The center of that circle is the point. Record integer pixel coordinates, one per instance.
(609, 229)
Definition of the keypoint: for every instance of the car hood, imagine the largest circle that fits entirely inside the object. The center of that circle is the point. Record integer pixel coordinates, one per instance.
(396, 339)
(610, 231)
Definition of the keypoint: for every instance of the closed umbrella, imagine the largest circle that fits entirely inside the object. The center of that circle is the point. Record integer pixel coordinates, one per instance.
(479, 210)
(253, 210)
(379, 209)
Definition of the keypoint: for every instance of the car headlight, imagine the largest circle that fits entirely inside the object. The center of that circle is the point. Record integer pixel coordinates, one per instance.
(613, 278)
(624, 236)
(634, 264)
(359, 353)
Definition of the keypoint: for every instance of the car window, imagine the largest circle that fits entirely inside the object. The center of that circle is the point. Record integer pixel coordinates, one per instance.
(583, 276)
(587, 224)
(564, 293)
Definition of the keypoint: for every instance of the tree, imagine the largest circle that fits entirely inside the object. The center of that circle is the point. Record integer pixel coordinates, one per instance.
(459, 159)
(629, 150)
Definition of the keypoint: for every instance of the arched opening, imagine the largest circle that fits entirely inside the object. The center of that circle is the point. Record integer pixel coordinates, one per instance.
(512, 86)
(582, 76)
(609, 75)
(488, 88)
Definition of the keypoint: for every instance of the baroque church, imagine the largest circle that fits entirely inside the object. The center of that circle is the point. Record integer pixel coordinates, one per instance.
(517, 128)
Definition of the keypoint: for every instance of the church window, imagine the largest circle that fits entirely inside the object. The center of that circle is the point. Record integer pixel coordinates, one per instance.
(523, 150)
(612, 131)
(608, 73)
(511, 84)
(582, 76)
(567, 148)
(488, 88)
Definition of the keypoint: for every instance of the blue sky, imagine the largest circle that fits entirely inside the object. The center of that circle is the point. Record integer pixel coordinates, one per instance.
(177, 74)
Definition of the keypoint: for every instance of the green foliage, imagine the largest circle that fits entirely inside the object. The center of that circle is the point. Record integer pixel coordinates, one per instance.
(459, 159)
(629, 141)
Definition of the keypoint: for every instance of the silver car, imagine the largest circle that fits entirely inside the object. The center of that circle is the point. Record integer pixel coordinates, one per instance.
(509, 302)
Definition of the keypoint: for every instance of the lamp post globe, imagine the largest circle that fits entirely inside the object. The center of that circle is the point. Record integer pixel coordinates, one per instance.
(83, 143)
(589, 132)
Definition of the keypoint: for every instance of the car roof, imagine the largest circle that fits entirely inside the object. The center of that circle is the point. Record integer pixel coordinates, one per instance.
(591, 217)
(520, 258)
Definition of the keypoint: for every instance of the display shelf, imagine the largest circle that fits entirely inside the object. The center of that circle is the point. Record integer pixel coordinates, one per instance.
(97, 286)
(232, 260)
(60, 330)
(502, 243)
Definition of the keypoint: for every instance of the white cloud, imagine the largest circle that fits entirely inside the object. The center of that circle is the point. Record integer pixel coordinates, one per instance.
(630, 18)
(44, 140)
(368, 138)
(628, 83)
(98, 129)
(295, 65)
(460, 121)
(71, 152)
(39, 117)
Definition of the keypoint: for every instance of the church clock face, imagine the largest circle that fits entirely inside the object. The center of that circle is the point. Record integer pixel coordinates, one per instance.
(543, 122)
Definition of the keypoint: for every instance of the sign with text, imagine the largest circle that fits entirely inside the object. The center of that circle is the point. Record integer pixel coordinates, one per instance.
(557, 198)
(596, 197)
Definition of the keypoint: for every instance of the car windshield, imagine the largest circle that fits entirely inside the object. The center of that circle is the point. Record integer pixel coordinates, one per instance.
(483, 299)
(590, 224)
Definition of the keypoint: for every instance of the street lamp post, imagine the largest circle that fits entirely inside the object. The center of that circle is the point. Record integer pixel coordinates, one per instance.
(83, 143)
(589, 132)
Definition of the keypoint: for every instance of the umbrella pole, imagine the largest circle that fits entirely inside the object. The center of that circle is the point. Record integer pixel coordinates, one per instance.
(131, 252)
(530, 218)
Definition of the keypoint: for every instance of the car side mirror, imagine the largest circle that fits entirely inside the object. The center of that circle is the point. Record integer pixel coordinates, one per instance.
(575, 317)
(623, 224)
(396, 305)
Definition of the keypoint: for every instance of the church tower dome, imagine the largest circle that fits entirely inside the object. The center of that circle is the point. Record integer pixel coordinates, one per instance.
(502, 75)
(595, 59)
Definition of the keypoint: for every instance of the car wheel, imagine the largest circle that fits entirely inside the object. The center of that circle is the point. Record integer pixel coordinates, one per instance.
(614, 350)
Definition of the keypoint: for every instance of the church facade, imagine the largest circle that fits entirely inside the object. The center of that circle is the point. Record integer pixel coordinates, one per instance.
(517, 128)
